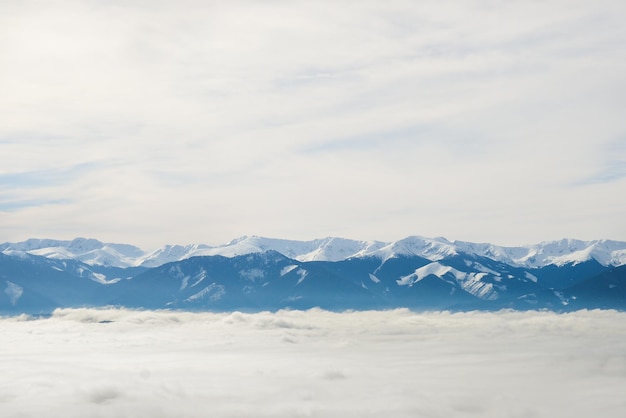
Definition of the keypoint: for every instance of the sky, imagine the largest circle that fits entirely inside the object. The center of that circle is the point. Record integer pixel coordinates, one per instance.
(117, 363)
(153, 122)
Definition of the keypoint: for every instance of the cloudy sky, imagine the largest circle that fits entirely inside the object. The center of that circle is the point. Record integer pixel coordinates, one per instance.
(153, 122)
(314, 364)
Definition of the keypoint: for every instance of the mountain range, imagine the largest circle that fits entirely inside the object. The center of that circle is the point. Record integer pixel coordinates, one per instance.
(257, 273)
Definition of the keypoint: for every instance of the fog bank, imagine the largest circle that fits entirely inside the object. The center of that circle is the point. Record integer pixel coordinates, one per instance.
(120, 363)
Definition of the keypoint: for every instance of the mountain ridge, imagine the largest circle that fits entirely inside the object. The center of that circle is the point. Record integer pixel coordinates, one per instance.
(95, 252)
(251, 274)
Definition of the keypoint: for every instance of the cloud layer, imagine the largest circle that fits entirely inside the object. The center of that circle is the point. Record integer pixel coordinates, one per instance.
(479, 120)
(117, 363)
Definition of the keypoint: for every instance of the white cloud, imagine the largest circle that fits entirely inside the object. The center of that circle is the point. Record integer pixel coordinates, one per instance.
(118, 363)
(369, 120)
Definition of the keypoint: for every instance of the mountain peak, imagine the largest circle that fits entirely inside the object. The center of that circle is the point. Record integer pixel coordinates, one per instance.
(560, 252)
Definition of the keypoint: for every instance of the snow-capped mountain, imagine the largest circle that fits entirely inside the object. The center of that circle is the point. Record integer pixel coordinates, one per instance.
(326, 249)
(565, 251)
(89, 251)
(253, 273)
(558, 253)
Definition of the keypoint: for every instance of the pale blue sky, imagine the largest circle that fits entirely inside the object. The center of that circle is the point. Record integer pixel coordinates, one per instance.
(195, 121)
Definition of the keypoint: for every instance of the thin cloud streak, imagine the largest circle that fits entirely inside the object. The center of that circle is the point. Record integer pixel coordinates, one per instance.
(45, 178)
(612, 164)
(13, 205)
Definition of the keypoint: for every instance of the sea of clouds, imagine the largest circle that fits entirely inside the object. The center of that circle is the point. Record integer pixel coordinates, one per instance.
(121, 363)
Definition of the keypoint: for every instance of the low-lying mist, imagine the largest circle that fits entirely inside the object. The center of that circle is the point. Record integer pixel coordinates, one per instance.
(121, 363)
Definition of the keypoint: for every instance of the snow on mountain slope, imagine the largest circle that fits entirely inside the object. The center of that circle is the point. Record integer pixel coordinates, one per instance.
(169, 253)
(94, 252)
(121, 255)
(327, 249)
(13, 291)
(432, 249)
(336, 249)
(565, 251)
(89, 251)
(470, 282)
